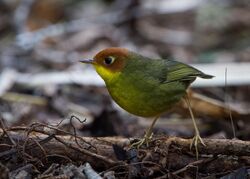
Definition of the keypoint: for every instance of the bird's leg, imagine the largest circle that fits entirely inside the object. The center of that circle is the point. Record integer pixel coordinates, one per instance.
(147, 137)
(197, 138)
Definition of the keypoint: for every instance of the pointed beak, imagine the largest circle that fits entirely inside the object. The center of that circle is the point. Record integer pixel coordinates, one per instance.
(90, 61)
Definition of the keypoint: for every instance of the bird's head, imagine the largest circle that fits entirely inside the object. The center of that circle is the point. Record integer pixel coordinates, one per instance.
(109, 62)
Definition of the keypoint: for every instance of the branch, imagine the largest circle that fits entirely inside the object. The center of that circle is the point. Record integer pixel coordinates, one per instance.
(92, 148)
(42, 143)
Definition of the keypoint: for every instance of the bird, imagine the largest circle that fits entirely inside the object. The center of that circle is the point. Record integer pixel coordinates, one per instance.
(145, 86)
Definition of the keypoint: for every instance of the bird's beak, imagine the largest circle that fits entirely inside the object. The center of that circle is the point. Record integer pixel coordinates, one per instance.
(90, 61)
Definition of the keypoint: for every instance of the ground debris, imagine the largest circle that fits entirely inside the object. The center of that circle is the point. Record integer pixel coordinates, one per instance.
(39, 151)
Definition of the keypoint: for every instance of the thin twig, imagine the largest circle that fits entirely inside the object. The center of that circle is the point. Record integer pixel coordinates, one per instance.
(86, 152)
(57, 130)
(5, 131)
(228, 105)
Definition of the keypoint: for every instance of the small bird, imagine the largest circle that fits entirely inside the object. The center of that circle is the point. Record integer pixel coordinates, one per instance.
(145, 87)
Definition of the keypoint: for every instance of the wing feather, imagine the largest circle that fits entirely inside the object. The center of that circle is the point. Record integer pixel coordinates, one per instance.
(177, 71)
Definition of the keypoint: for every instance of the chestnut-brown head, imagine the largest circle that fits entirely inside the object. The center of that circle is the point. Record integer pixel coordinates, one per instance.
(109, 62)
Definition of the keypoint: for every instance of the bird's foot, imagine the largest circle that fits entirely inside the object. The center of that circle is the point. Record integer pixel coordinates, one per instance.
(195, 141)
(145, 140)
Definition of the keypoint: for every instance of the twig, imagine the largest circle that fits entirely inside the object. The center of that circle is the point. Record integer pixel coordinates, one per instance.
(196, 163)
(86, 152)
(37, 144)
(228, 106)
(5, 131)
(36, 126)
(74, 129)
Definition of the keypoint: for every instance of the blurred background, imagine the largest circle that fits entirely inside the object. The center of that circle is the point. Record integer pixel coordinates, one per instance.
(42, 81)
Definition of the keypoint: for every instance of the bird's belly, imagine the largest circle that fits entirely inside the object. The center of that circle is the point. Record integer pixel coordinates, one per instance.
(146, 101)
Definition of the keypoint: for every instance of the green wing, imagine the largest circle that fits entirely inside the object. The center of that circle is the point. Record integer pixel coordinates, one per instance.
(162, 70)
(177, 71)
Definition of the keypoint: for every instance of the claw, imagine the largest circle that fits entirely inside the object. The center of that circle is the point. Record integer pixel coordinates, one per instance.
(147, 137)
(145, 140)
(196, 139)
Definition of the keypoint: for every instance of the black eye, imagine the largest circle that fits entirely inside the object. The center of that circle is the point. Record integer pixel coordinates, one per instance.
(109, 60)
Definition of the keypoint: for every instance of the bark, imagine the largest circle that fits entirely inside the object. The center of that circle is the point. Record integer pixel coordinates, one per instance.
(44, 145)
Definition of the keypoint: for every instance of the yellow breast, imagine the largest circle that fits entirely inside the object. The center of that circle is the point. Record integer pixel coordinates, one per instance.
(106, 74)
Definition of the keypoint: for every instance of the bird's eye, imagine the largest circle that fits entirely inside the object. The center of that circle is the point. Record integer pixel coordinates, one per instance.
(109, 60)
